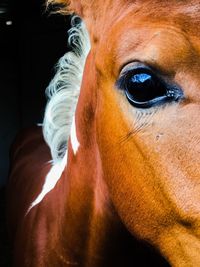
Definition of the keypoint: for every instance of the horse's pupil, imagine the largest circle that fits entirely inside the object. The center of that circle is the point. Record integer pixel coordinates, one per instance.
(143, 87)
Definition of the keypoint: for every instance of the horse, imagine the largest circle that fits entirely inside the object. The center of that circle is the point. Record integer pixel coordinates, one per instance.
(113, 173)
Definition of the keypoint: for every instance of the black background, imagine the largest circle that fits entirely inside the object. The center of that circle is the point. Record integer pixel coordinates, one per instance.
(29, 50)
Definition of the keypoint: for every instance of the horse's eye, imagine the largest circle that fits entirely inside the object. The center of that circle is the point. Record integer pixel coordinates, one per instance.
(144, 89)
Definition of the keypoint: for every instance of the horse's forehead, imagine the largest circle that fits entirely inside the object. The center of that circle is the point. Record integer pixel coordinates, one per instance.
(146, 7)
(161, 36)
(186, 14)
(161, 46)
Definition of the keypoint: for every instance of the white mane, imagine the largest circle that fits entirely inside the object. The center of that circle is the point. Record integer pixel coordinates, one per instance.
(63, 91)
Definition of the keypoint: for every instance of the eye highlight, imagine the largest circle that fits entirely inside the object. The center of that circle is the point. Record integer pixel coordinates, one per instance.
(144, 89)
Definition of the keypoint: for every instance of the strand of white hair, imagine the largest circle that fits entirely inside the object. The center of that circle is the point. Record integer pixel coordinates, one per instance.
(63, 91)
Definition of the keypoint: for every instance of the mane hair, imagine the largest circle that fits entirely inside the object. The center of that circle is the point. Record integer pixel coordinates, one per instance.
(63, 91)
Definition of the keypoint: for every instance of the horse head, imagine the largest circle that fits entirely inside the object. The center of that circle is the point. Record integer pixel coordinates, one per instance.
(141, 93)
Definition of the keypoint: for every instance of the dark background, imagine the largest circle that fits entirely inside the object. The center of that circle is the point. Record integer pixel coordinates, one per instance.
(29, 50)
(31, 43)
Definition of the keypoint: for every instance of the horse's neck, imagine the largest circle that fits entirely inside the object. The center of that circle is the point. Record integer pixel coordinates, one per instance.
(90, 222)
(89, 218)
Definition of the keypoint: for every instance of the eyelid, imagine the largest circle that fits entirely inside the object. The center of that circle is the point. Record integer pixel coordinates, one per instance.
(138, 70)
(153, 68)
(133, 65)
